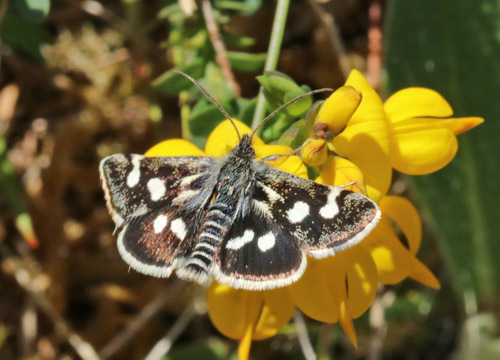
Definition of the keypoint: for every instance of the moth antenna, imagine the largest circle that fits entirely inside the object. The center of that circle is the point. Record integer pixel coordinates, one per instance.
(271, 115)
(211, 98)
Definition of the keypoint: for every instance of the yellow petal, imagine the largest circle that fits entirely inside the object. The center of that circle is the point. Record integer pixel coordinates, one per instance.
(276, 312)
(321, 293)
(366, 140)
(336, 267)
(416, 102)
(346, 322)
(312, 294)
(234, 311)
(391, 258)
(422, 274)
(406, 217)
(337, 110)
(423, 152)
(455, 125)
(224, 138)
(460, 125)
(338, 171)
(174, 147)
(362, 280)
(228, 309)
(322, 289)
(315, 152)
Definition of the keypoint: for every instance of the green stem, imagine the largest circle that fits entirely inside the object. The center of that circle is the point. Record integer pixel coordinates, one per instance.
(273, 53)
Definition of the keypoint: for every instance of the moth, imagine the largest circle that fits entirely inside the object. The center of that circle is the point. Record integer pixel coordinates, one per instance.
(233, 219)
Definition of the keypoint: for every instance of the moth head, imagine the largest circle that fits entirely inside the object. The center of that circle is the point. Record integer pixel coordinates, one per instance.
(245, 148)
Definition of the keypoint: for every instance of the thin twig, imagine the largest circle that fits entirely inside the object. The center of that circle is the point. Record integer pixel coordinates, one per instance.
(29, 328)
(165, 343)
(25, 280)
(304, 341)
(273, 53)
(328, 23)
(147, 313)
(378, 323)
(219, 47)
(374, 59)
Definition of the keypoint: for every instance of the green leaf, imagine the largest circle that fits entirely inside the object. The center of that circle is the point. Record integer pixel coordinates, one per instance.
(299, 107)
(172, 12)
(280, 88)
(23, 36)
(454, 48)
(216, 85)
(295, 135)
(281, 83)
(203, 119)
(246, 62)
(273, 129)
(247, 109)
(312, 114)
(171, 83)
(246, 7)
(33, 10)
(237, 40)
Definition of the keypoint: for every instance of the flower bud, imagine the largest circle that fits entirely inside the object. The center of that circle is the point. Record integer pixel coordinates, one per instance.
(339, 107)
(315, 153)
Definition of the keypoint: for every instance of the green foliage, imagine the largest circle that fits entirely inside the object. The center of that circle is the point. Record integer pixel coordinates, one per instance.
(246, 62)
(279, 89)
(33, 10)
(453, 47)
(171, 83)
(193, 54)
(246, 7)
(23, 35)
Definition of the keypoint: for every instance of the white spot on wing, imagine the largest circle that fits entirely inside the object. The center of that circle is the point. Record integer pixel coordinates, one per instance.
(134, 176)
(272, 195)
(240, 241)
(266, 241)
(159, 223)
(299, 211)
(178, 228)
(156, 188)
(185, 195)
(262, 206)
(189, 179)
(331, 208)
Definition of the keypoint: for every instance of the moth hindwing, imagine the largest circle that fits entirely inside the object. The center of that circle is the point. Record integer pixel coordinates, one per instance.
(233, 219)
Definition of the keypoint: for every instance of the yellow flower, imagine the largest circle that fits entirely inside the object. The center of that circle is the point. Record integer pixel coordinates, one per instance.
(365, 141)
(409, 133)
(423, 136)
(393, 260)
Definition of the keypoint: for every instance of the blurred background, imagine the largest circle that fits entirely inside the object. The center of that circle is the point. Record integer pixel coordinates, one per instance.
(82, 79)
